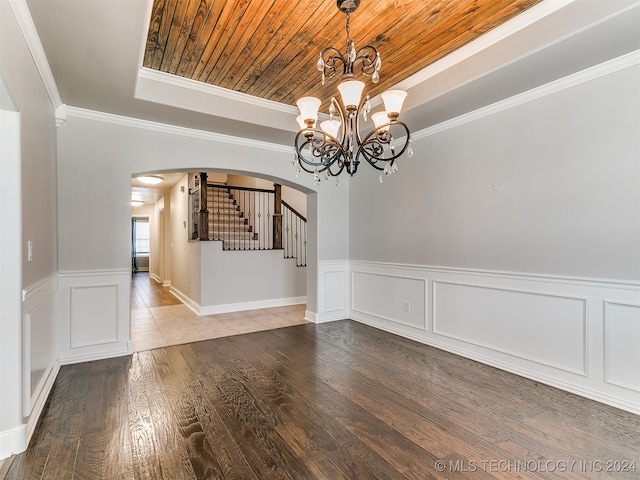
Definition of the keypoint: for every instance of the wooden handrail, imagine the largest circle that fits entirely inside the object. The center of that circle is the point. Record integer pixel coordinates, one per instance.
(294, 211)
(266, 229)
(229, 187)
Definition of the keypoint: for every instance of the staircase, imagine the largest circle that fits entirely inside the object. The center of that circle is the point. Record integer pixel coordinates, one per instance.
(244, 218)
(228, 223)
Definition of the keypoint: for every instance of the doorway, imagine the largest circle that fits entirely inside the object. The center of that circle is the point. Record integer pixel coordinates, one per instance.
(158, 317)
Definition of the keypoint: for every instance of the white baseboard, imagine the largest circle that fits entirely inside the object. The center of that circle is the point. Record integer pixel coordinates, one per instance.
(185, 299)
(41, 399)
(254, 305)
(101, 355)
(203, 310)
(13, 441)
(330, 317)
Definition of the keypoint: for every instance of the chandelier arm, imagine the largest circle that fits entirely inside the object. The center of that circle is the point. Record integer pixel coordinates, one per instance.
(341, 166)
(367, 56)
(343, 135)
(370, 160)
(331, 58)
(363, 101)
(377, 142)
(328, 152)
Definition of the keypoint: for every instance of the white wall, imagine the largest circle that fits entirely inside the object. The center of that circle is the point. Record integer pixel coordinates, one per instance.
(231, 281)
(29, 316)
(567, 203)
(179, 239)
(156, 241)
(514, 237)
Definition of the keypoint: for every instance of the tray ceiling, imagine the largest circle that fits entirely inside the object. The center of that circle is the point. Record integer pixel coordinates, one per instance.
(269, 48)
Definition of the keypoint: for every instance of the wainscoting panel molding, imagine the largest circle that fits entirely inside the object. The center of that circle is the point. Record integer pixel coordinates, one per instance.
(391, 297)
(102, 302)
(95, 315)
(333, 291)
(563, 331)
(39, 341)
(622, 344)
(39, 347)
(546, 329)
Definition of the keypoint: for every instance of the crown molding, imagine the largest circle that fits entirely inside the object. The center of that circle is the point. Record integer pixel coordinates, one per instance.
(606, 68)
(61, 115)
(28, 28)
(187, 94)
(172, 129)
(214, 90)
(488, 39)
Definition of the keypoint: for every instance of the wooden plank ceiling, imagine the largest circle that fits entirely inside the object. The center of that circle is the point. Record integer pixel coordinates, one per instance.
(269, 48)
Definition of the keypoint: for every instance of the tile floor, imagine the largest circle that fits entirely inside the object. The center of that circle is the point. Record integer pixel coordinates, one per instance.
(156, 327)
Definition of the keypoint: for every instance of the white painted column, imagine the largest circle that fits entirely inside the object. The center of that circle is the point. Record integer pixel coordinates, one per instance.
(13, 432)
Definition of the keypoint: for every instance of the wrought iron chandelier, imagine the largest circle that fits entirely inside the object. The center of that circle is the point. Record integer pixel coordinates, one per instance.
(338, 145)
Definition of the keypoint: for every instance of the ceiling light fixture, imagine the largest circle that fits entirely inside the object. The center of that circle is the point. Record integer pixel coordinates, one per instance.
(136, 203)
(150, 179)
(338, 145)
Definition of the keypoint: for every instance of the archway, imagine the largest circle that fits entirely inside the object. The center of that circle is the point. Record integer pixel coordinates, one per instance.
(178, 263)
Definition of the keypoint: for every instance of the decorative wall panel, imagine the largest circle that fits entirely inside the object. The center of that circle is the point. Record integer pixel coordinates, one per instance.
(94, 315)
(391, 298)
(546, 329)
(622, 344)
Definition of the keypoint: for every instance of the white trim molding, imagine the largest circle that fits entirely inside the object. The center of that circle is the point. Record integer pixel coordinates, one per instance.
(333, 291)
(13, 441)
(203, 310)
(25, 21)
(576, 334)
(625, 61)
(95, 318)
(40, 347)
(167, 89)
(173, 129)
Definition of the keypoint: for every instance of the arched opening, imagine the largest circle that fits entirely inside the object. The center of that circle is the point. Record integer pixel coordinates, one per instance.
(196, 290)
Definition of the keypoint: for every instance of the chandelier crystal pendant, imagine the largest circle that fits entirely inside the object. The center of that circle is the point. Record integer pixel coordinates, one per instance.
(337, 144)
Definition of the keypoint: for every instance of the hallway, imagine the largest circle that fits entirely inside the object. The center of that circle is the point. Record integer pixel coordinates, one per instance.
(160, 319)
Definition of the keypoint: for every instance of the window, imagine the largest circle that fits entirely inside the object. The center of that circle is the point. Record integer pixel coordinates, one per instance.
(140, 237)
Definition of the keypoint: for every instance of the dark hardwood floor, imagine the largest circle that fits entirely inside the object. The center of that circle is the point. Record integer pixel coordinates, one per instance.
(332, 401)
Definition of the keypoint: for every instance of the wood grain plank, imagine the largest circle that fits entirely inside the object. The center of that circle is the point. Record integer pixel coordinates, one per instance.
(195, 37)
(166, 9)
(145, 452)
(153, 34)
(260, 48)
(329, 401)
(185, 26)
(118, 457)
(249, 27)
(179, 429)
(269, 48)
(356, 460)
(228, 20)
(222, 446)
(176, 31)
